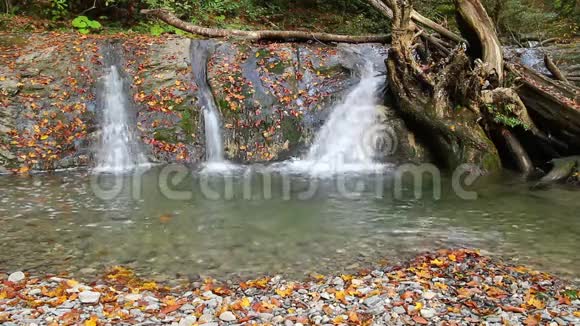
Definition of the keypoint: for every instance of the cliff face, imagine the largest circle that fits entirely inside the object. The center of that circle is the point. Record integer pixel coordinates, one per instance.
(272, 97)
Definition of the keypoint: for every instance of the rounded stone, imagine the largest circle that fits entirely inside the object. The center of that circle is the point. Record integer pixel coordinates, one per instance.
(16, 277)
(227, 316)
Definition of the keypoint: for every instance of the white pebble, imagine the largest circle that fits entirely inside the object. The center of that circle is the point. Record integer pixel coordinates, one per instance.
(89, 297)
(16, 277)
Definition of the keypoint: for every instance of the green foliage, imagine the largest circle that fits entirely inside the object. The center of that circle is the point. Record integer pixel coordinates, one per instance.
(59, 9)
(84, 25)
(504, 115)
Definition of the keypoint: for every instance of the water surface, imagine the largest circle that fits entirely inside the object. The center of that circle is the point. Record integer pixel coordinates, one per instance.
(228, 226)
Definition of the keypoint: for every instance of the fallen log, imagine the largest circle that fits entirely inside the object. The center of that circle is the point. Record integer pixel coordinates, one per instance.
(553, 105)
(173, 20)
(554, 69)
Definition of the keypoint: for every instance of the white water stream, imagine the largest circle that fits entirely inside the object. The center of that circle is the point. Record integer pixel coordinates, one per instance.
(118, 152)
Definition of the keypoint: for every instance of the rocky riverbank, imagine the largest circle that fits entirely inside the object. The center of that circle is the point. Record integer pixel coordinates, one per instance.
(449, 287)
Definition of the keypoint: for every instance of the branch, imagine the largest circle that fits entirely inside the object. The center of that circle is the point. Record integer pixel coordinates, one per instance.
(554, 69)
(172, 20)
(387, 10)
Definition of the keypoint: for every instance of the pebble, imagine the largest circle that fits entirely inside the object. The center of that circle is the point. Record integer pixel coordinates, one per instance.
(428, 313)
(227, 316)
(187, 321)
(399, 310)
(16, 277)
(89, 297)
(429, 295)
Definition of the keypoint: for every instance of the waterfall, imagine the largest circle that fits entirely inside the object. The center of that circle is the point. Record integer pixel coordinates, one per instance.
(213, 137)
(200, 53)
(118, 150)
(348, 139)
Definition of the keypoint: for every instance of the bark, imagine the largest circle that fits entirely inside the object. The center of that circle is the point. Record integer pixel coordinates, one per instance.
(484, 42)
(554, 69)
(172, 20)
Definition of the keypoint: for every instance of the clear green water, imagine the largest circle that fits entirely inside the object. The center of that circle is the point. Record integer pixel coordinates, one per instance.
(54, 223)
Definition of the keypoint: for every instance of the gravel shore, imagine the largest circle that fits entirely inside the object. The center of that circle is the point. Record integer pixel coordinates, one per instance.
(450, 287)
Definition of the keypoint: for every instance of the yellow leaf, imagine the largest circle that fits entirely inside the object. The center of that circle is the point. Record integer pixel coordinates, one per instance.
(577, 313)
(535, 302)
(452, 257)
(418, 306)
(72, 283)
(437, 262)
(245, 302)
(284, 292)
(149, 286)
(346, 278)
(93, 321)
(341, 296)
(441, 286)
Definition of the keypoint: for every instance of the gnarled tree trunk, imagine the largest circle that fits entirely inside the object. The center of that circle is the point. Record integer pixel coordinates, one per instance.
(438, 102)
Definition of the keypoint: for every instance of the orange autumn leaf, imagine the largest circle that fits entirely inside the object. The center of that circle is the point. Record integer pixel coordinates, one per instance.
(170, 309)
(353, 317)
(420, 320)
(513, 309)
(406, 295)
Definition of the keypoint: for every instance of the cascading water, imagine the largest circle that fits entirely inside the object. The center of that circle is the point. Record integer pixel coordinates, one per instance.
(118, 150)
(347, 141)
(200, 53)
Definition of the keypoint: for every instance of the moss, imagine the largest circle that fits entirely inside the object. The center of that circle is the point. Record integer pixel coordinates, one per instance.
(332, 70)
(12, 41)
(187, 124)
(165, 135)
(291, 129)
(278, 68)
(491, 162)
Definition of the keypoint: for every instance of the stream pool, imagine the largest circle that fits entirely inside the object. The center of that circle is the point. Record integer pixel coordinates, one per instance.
(224, 224)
